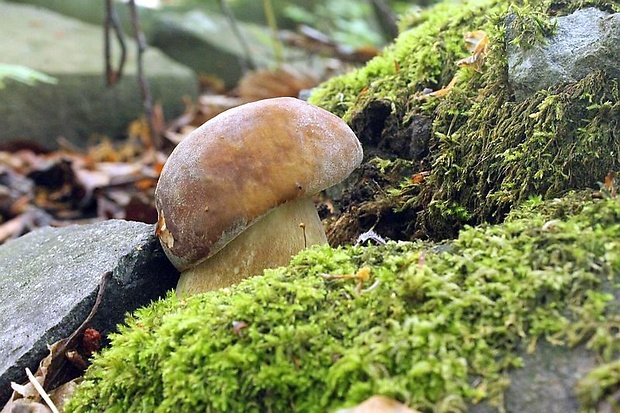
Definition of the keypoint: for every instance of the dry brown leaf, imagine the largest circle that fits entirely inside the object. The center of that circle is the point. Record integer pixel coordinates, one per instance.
(610, 183)
(25, 406)
(56, 369)
(210, 106)
(140, 208)
(211, 84)
(61, 395)
(63, 187)
(92, 179)
(477, 42)
(138, 128)
(14, 160)
(284, 81)
(443, 91)
(419, 177)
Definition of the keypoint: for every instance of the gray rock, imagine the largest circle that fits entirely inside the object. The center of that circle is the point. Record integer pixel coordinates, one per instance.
(80, 104)
(50, 279)
(587, 40)
(546, 383)
(89, 12)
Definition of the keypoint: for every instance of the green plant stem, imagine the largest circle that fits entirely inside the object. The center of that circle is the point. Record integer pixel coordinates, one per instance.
(273, 25)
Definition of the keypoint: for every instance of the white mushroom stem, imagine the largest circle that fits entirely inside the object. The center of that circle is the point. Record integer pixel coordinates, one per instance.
(268, 243)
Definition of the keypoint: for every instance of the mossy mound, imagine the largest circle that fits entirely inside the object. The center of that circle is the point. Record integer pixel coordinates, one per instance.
(479, 150)
(424, 324)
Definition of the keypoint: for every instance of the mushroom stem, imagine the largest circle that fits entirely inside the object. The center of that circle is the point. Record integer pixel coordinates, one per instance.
(268, 243)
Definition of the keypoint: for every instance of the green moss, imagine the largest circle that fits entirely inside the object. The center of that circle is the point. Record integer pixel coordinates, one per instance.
(599, 386)
(533, 27)
(567, 138)
(421, 57)
(425, 323)
(488, 152)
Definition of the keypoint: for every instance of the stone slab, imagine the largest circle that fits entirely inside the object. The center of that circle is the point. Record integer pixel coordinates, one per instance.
(49, 279)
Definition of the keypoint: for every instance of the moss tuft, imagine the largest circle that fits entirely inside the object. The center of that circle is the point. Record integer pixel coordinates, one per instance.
(423, 56)
(429, 319)
(599, 389)
(503, 151)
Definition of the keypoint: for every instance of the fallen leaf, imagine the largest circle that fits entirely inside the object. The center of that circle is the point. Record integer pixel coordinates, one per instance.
(283, 81)
(477, 42)
(419, 177)
(238, 326)
(443, 91)
(607, 187)
(610, 183)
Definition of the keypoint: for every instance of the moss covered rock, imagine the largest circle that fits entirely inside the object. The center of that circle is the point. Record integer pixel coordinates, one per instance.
(479, 149)
(438, 326)
(436, 330)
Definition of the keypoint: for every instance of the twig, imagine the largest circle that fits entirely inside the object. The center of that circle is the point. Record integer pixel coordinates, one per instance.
(11, 228)
(112, 23)
(303, 229)
(386, 16)
(372, 287)
(247, 62)
(145, 90)
(41, 391)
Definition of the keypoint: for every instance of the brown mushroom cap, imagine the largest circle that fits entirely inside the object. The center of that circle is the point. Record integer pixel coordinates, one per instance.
(236, 167)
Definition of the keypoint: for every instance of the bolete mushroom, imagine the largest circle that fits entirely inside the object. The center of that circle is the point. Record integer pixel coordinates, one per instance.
(235, 196)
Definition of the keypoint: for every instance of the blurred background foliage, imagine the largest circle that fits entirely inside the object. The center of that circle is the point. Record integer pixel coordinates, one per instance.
(347, 22)
(355, 23)
(23, 74)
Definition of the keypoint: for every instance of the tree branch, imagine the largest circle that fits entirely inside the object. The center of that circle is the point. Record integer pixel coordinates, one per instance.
(112, 23)
(145, 90)
(246, 63)
(386, 16)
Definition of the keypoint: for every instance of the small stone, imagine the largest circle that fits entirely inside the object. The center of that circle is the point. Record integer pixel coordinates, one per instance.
(584, 41)
(546, 382)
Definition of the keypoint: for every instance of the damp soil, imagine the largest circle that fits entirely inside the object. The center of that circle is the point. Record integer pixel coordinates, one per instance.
(394, 151)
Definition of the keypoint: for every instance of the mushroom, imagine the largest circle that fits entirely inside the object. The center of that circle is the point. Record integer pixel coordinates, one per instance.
(235, 196)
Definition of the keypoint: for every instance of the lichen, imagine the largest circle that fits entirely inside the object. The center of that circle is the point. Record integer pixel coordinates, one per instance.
(487, 152)
(429, 319)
